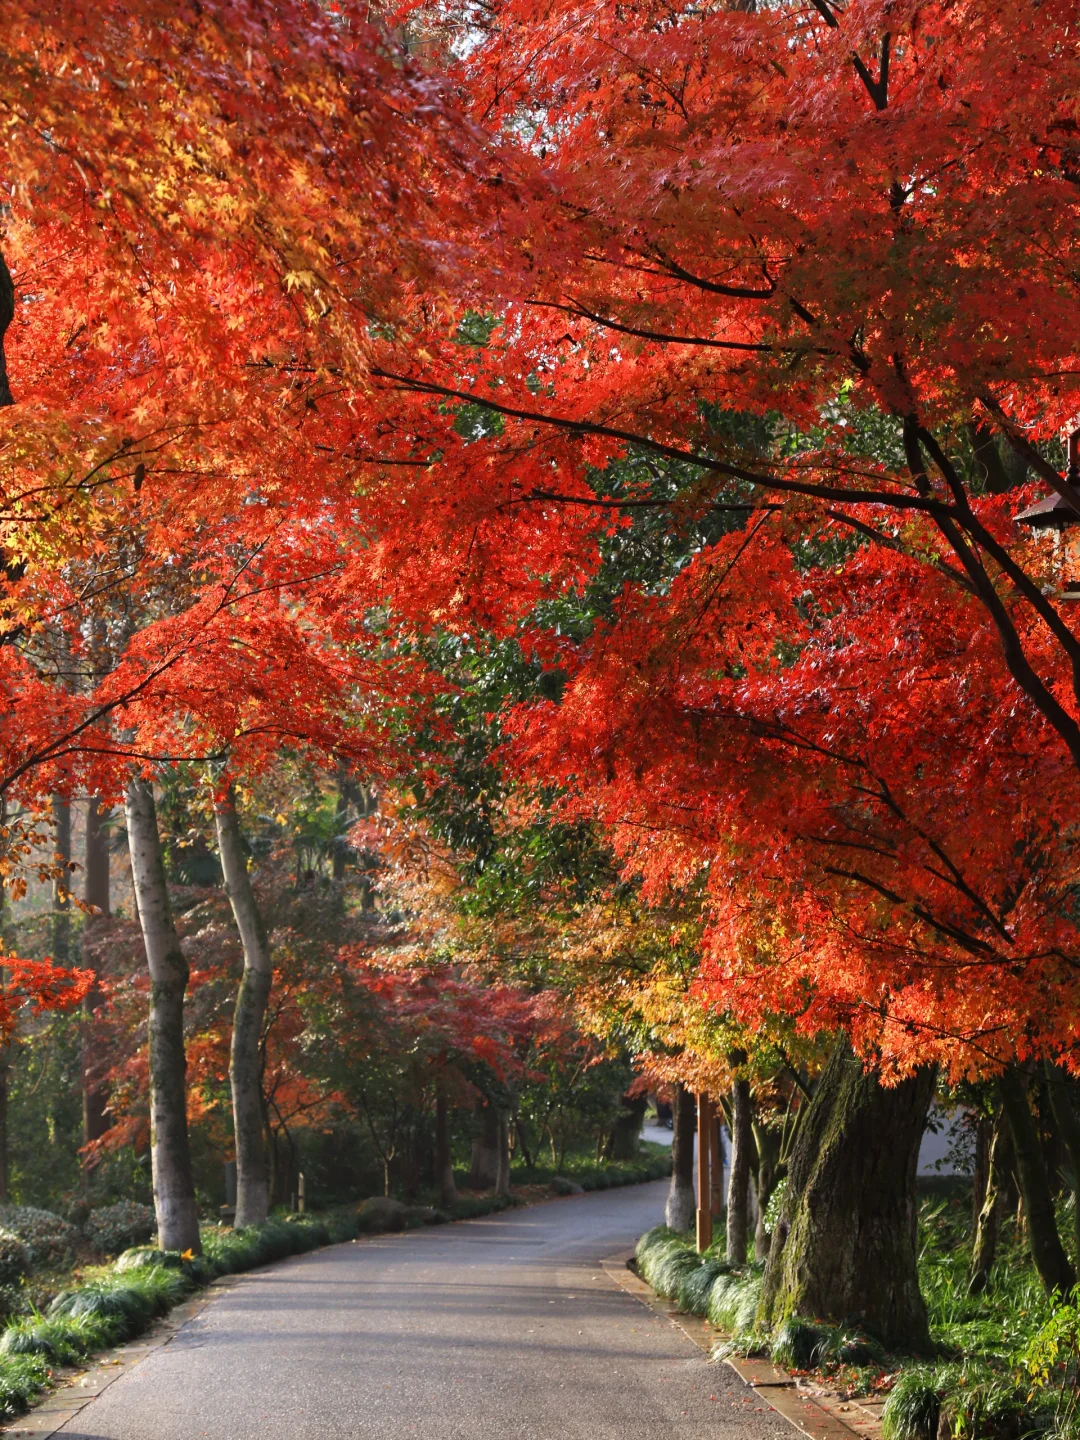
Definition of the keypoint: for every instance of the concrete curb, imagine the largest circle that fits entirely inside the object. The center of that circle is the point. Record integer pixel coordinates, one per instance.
(810, 1414)
(76, 1388)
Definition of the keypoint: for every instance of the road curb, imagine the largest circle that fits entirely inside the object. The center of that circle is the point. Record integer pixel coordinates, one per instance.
(76, 1388)
(776, 1387)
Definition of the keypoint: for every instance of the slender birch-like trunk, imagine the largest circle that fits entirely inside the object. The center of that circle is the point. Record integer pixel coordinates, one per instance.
(738, 1199)
(95, 893)
(245, 1069)
(444, 1159)
(170, 1152)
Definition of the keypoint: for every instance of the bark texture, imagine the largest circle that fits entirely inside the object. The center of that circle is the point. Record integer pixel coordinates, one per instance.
(95, 893)
(61, 897)
(767, 1150)
(7, 314)
(170, 1153)
(988, 1224)
(245, 1056)
(484, 1174)
(1068, 1122)
(679, 1210)
(1054, 1266)
(738, 1195)
(845, 1247)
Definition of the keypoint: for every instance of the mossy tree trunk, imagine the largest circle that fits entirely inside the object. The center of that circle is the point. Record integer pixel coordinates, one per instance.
(170, 1152)
(245, 1055)
(742, 1150)
(679, 1210)
(988, 1224)
(845, 1247)
(1054, 1267)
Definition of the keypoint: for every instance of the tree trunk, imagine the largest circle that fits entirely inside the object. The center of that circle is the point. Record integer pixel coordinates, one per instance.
(170, 1153)
(1051, 1261)
(988, 1223)
(95, 893)
(245, 1056)
(845, 1248)
(444, 1158)
(980, 1173)
(738, 1195)
(7, 314)
(679, 1210)
(502, 1140)
(61, 896)
(1068, 1124)
(767, 1147)
(625, 1137)
(484, 1174)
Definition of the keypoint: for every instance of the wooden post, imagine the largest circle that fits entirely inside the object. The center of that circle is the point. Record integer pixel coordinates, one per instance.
(300, 1196)
(704, 1159)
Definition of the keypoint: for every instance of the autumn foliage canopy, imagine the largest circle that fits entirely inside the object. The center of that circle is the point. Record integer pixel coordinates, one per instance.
(318, 349)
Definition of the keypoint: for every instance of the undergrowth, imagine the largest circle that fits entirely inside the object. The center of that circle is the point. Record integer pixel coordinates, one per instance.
(1007, 1364)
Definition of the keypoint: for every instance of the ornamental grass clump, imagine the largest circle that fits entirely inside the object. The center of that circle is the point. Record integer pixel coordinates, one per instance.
(22, 1380)
(733, 1301)
(61, 1339)
(692, 1296)
(665, 1260)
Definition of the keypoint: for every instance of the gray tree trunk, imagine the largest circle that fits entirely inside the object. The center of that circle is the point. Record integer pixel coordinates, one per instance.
(444, 1158)
(245, 1058)
(61, 896)
(170, 1153)
(502, 1169)
(681, 1203)
(742, 1149)
(767, 1148)
(1054, 1266)
(484, 1174)
(845, 1247)
(95, 893)
(988, 1223)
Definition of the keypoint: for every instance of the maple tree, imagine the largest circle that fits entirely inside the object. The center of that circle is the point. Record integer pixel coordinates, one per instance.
(768, 237)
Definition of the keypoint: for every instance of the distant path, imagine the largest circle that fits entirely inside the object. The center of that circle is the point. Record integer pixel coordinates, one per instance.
(496, 1329)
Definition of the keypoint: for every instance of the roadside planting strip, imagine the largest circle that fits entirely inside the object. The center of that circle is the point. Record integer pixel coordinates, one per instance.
(819, 1417)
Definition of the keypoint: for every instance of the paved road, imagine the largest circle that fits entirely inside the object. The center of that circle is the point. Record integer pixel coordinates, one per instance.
(497, 1329)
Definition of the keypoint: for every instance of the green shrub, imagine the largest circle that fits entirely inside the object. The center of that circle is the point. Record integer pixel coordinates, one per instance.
(141, 1255)
(14, 1258)
(22, 1379)
(50, 1239)
(117, 1227)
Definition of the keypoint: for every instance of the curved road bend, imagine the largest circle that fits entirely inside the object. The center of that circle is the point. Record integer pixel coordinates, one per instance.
(497, 1329)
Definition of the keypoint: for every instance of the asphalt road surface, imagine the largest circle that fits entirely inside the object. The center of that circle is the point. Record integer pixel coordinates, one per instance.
(497, 1329)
